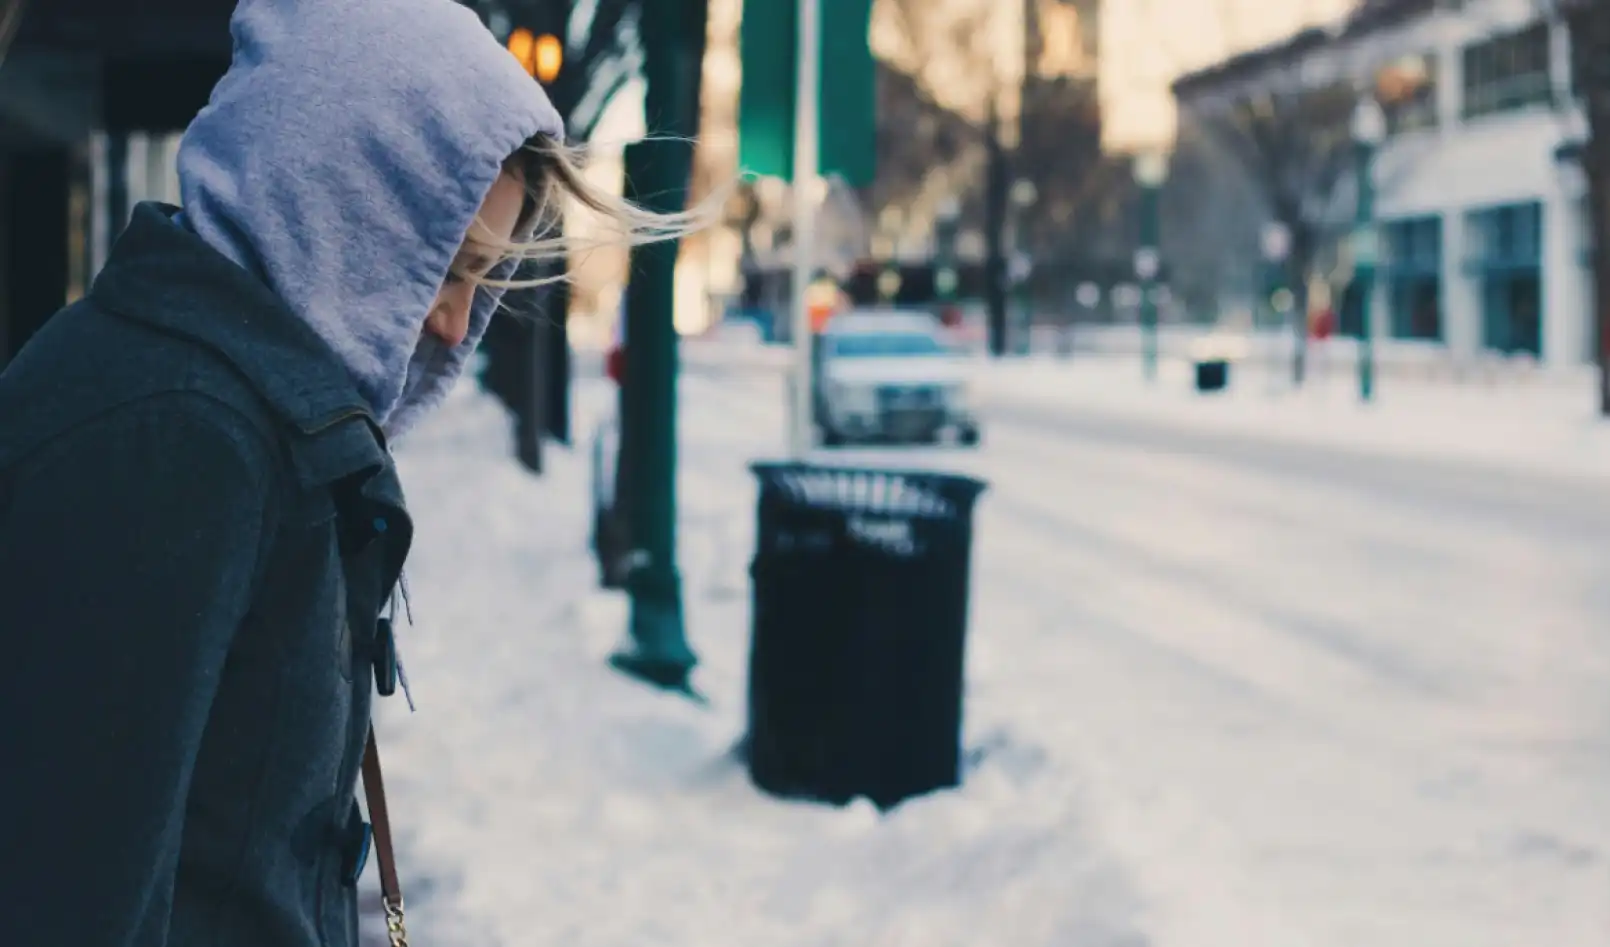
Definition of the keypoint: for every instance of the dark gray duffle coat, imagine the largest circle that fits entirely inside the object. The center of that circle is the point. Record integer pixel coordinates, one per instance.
(200, 526)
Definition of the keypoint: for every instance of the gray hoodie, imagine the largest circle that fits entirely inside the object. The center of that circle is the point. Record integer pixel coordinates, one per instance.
(343, 158)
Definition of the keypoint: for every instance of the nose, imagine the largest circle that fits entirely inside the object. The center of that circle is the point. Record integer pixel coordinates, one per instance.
(449, 319)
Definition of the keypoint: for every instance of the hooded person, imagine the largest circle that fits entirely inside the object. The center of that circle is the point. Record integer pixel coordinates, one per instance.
(200, 521)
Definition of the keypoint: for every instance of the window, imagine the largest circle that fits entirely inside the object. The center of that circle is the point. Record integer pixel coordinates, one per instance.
(887, 345)
(1506, 237)
(1508, 72)
(1414, 277)
(1414, 245)
(1407, 90)
(1506, 251)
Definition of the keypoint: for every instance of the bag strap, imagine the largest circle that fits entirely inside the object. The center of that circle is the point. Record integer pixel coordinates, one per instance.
(374, 794)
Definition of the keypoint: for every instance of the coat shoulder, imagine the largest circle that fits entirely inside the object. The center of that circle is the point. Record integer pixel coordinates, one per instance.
(89, 366)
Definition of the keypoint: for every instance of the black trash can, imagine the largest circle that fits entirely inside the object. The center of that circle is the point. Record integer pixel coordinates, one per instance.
(860, 599)
(1212, 374)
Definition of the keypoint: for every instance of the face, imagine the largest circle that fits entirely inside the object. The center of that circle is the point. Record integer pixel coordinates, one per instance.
(449, 319)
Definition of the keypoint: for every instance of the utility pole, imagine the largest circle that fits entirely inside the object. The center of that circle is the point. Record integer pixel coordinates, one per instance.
(799, 122)
(807, 168)
(659, 171)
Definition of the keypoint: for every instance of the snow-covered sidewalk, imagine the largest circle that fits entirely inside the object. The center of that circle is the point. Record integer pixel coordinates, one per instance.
(542, 799)
(1545, 425)
(1224, 705)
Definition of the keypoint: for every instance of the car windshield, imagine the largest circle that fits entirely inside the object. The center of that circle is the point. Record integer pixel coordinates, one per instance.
(887, 345)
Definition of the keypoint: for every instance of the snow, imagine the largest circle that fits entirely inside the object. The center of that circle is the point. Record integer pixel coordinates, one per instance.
(1218, 703)
(1542, 422)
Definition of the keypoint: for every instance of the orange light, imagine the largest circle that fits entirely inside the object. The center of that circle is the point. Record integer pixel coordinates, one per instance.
(547, 57)
(523, 45)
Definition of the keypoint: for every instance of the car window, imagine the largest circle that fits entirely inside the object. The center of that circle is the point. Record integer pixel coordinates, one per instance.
(887, 345)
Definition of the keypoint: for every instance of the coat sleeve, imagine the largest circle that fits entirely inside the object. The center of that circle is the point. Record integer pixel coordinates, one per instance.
(128, 553)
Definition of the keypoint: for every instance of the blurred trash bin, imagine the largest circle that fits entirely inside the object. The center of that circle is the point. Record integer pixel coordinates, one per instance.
(1211, 357)
(860, 599)
(1212, 374)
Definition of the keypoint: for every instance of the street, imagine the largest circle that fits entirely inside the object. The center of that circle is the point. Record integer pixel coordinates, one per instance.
(1372, 691)
(1222, 691)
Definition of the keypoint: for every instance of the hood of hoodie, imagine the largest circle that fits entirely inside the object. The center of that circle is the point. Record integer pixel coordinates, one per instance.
(343, 158)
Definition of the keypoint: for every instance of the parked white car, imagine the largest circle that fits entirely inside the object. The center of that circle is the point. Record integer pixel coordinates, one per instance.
(891, 376)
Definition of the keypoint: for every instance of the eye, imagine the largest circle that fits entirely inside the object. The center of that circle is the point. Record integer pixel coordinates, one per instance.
(465, 269)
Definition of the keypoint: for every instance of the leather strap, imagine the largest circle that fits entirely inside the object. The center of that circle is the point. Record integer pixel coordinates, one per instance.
(374, 794)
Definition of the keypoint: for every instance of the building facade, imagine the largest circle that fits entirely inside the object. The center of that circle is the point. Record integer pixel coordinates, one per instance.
(87, 86)
(1482, 218)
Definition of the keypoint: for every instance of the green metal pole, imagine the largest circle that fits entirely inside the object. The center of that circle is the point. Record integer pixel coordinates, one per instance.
(1150, 227)
(1023, 306)
(658, 172)
(1364, 270)
(945, 261)
(944, 275)
(1265, 313)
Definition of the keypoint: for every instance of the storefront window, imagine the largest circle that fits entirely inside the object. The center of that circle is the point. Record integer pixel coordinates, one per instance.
(1506, 260)
(1414, 277)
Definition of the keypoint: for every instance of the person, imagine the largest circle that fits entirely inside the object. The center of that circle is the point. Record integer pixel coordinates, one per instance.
(201, 525)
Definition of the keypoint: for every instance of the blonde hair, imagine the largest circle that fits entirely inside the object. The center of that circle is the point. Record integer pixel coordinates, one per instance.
(552, 171)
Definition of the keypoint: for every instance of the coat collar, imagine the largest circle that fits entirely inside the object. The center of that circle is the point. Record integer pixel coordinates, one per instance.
(163, 276)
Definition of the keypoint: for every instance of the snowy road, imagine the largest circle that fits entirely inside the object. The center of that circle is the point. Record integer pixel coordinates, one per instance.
(1369, 697)
(1236, 693)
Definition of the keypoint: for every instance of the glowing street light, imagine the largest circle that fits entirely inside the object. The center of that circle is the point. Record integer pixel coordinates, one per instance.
(523, 46)
(542, 56)
(547, 58)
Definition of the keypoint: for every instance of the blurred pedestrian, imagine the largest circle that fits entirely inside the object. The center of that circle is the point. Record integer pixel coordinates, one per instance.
(201, 527)
(1321, 326)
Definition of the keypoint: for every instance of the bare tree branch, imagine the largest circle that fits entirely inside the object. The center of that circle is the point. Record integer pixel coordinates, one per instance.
(942, 73)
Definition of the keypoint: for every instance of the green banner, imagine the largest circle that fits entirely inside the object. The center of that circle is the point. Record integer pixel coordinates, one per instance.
(847, 124)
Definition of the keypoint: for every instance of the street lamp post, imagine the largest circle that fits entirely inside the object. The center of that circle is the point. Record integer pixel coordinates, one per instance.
(1023, 195)
(889, 283)
(946, 217)
(1088, 296)
(1276, 244)
(1151, 170)
(1275, 241)
(1369, 129)
(658, 172)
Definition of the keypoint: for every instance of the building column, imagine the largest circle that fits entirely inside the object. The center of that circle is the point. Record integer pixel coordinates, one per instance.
(1565, 306)
(1461, 292)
